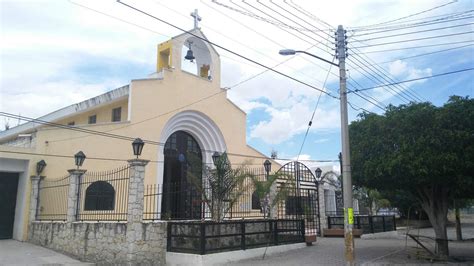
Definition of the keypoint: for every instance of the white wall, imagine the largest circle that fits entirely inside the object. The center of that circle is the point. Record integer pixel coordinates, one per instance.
(21, 167)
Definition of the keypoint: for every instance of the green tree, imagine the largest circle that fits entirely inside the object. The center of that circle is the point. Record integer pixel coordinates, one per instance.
(420, 149)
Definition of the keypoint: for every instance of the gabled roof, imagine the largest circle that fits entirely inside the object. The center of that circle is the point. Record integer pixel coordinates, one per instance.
(73, 109)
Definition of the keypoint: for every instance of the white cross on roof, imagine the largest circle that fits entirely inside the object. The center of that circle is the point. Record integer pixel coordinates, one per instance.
(196, 17)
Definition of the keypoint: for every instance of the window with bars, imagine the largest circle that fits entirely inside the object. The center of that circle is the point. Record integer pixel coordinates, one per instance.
(92, 119)
(117, 114)
(100, 195)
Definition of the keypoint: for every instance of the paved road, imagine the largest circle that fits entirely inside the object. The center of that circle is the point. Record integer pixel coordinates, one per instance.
(386, 251)
(14, 252)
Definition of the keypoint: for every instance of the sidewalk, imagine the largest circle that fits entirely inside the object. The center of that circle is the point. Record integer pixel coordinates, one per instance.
(14, 252)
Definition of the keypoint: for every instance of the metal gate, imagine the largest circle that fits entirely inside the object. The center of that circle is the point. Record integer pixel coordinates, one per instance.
(301, 199)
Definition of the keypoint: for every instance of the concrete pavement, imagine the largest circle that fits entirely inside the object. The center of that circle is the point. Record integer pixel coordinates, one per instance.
(14, 252)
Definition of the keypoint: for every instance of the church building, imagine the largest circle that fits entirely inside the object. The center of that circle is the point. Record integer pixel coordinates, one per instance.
(178, 110)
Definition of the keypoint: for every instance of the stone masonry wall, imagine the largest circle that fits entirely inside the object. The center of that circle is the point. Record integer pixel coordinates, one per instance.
(103, 243)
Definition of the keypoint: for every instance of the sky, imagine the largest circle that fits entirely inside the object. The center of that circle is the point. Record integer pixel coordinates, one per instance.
(55, 53)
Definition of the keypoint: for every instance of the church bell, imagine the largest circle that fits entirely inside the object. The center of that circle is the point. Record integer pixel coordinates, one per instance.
(189, 54)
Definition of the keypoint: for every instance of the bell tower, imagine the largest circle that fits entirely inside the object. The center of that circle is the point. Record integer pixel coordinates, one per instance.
(191, 53)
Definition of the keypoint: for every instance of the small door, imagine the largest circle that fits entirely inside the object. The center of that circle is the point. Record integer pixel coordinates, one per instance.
(8, 190)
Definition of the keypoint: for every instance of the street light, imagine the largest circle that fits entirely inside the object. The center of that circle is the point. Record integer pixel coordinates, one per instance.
(137, 146)
(346, 165)
(40, 167)
(293, 52)
(79, 159)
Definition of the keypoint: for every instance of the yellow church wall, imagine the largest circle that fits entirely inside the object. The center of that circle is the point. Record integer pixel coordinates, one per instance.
(152, 103)
(103, 114)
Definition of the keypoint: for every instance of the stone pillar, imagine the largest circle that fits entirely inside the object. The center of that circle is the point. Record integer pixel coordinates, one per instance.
(273, 204)
(73, 194)
(34, 197)
(136, 190)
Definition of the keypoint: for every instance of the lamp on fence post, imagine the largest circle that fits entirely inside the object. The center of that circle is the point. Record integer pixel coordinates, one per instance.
(215, 157)
(40, 167)
(79, 159)
(318, 173)
(268, 167)
(137, 146)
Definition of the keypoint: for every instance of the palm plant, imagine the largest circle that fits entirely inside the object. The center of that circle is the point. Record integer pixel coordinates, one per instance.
(268, 193)
(222, 186)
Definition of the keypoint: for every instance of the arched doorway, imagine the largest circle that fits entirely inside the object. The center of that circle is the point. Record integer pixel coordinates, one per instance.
(181, 199)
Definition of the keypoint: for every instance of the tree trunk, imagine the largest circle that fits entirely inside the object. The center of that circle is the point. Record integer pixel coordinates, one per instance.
(458, 222)
(434, 201)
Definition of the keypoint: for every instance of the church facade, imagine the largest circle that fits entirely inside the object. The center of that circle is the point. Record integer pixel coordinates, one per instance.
(181, 108)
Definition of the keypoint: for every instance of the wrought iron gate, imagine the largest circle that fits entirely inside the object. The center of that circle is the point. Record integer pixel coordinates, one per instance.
(302, 196)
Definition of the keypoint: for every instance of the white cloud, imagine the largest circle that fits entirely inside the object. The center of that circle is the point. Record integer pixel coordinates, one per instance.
(321, 140)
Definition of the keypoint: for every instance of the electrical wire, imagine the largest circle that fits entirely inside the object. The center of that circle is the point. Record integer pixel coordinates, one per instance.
(412, 40)
(416, 79)
(314, 112)
(226, 49)
(415, 25)
(423, 54)
(404, 90)
(264, 36)
(408, 16)
(414, 32)
(416, 47)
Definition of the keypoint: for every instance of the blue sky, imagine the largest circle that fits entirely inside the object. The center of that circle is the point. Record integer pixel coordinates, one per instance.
(56, 53)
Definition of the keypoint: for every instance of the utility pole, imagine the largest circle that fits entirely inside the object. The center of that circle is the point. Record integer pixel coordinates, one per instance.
(346, 162)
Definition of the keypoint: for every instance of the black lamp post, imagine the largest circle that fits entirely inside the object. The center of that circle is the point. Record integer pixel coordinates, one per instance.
(79, 159)
(215, 157)
(318, 172)
(40, 167)
(137, 146)
(268, 166)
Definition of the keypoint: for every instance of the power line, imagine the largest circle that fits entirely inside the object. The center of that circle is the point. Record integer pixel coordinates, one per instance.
(408, 16)
(414, 25)
(369, 75)
(260, 34)
(126, 160)
(308, 36)
(408, 92)
(414, 32)
(411, 80)
(412, 40)
(314, 112)
(424, 54)
(122, 137)
(225, 49)
(416, 47)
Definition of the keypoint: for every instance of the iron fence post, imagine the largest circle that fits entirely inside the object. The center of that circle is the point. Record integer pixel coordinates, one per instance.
(303, 230)
(275, 232)
(329, 222)
(394, 223)
(383, 223)
(168, 239)
(371, 223)
(203, 238)
(242, 235)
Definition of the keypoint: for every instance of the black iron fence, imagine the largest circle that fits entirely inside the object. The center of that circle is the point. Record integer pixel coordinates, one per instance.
(177, 201)
(52, 202)
(210, 237)
(103, 196)
(368, 224)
